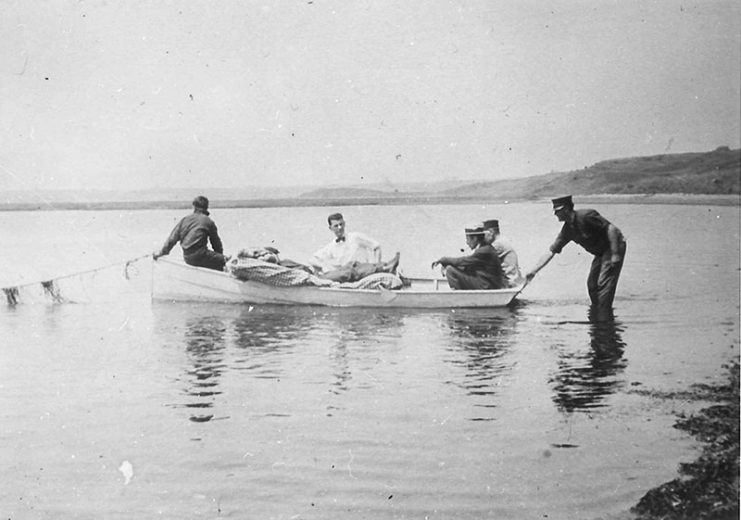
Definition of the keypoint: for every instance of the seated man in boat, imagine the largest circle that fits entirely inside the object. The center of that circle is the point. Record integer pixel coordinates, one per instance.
(479, 270)
(506, 253)
(194, 231)
(350, 256)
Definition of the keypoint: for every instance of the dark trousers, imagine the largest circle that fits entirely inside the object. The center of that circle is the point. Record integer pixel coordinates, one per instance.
(208, 259)
(458, 279)
(603, 278)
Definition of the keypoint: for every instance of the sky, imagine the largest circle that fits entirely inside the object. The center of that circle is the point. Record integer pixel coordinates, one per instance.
(131, 95)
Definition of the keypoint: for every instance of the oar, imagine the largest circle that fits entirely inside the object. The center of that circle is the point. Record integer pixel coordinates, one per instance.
(522, 288)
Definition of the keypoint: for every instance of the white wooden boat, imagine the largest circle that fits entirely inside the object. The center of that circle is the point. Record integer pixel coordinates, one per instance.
(176, 281)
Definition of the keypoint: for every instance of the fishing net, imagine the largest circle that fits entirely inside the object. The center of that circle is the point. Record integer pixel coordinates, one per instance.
(110, 282)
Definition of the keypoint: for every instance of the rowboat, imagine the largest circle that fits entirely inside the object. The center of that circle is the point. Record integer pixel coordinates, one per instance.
(176, 281)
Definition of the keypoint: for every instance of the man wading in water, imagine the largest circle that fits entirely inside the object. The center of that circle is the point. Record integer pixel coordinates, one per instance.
(599, 237)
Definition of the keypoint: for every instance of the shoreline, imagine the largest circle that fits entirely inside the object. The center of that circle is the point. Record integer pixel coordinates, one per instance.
(707, 487)
(653, 198)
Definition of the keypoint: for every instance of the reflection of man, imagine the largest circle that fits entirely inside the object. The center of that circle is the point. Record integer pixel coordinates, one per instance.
(350, 256)
(204, 337)
(194, 232)
(585, 379)
(479, 270)
(505, 252)
(599, 237)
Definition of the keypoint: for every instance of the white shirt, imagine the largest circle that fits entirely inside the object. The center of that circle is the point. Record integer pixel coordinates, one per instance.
(508, 259)
(356, 247)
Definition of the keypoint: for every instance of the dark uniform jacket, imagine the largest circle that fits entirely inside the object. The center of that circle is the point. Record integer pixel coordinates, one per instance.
(194, 232)
(589, 230)
(483, 262)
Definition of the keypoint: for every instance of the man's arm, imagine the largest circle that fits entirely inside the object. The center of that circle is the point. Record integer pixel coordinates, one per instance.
(319, 259)
(563, 238)
(370, 244)
(473, 260)
(169, 243)
(213, 236)
(443, 261)
(542, 262)
(613, 236)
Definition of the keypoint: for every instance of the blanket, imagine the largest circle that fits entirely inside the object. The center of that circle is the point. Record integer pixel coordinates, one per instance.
(246, 268)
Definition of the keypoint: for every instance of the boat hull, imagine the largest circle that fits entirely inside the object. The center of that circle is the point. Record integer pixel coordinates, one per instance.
(174, 281)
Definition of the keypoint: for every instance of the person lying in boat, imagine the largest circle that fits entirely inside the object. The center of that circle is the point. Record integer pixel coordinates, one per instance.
(194, 231)
(506, 253)
(264, 254)
(479, 270)
(349, 256)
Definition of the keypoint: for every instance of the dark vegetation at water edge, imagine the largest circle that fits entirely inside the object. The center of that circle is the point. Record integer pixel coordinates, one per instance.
(715, 174)
(707, 488)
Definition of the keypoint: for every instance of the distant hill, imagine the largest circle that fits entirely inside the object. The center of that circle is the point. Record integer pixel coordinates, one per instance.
(351, 193)
(715, 174)
(709, 173)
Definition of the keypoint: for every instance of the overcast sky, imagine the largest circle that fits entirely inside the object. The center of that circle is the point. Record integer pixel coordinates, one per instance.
(130, 95)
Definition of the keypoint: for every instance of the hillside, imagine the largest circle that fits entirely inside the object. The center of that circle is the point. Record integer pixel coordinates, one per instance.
(350, 193)
(713, 174)
(709, 173)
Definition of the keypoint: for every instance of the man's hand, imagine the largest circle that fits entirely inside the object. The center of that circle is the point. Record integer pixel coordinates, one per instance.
(156, 255)
(529, 276)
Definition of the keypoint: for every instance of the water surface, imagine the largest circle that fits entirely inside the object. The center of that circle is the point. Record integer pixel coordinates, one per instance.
(118, 407)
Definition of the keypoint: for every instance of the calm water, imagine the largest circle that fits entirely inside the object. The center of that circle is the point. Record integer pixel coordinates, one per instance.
(120, 408)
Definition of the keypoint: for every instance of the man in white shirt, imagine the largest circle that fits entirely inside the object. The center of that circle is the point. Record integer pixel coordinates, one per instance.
(350, 256)
(505, 252)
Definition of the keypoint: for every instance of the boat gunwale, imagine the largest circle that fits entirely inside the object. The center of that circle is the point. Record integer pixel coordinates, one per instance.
(409, 292)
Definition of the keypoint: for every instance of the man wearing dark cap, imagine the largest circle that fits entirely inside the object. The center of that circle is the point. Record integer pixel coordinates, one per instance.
(505, 252)
(194, 232)
(479, 270)
(599, 237)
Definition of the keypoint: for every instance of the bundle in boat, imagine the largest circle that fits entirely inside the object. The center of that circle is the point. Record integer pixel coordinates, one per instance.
(270, 273)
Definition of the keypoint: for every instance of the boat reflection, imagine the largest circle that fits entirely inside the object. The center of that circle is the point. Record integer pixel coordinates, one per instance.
(265, 335)
(355, 338)
(263, 342)
(479, 343)
(585, 379)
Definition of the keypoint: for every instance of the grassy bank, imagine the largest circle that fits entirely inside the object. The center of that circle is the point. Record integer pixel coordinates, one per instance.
(707, 488)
